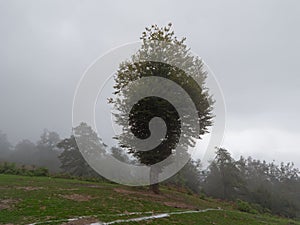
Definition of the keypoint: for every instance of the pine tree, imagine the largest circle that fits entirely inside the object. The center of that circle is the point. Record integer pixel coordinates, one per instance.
(72, 161)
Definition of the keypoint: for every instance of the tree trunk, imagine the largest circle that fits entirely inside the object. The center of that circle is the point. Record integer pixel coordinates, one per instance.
(155, 188)
(154, 180)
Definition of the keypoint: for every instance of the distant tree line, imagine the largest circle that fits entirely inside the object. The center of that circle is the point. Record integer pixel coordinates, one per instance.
(272, 187)
(256, 186)
(43, 153)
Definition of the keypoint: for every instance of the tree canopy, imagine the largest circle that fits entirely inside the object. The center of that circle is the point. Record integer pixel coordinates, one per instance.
(163, 45)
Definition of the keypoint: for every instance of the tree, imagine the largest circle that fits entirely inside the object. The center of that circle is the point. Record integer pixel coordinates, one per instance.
(189, 176)
(120, 155)
(25, 152)
(5, 146)
(148, 108)
(47, 151)
(224, 178)
(273, 187)
(72, 161)
(49, 140)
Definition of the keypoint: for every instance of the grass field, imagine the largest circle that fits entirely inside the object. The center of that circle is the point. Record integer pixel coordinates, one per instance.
(43, 200)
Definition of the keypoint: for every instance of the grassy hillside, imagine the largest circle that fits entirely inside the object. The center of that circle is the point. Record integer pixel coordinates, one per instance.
(43, 200)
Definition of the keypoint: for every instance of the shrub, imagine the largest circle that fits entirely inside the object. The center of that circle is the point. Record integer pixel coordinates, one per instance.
(11, 168)
(245, 207)
(42, 171)
(202, 196)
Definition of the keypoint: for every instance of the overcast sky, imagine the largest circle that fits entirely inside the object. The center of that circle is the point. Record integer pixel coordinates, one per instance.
(252, 46)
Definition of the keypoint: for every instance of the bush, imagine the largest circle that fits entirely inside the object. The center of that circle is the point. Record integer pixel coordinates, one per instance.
(202, 196)
(245, 207)
(42, 171)
(62, 176)
(8, 168)
(11, 168)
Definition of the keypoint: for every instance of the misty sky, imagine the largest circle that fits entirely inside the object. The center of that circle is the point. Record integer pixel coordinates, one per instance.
(252, 46)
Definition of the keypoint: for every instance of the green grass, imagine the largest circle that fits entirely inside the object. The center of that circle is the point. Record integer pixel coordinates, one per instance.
(25, 200)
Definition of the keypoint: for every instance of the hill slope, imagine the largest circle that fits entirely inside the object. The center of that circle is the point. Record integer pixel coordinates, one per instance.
(43, 200)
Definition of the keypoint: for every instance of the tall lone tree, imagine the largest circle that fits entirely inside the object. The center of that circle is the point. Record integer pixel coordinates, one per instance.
(149, 107)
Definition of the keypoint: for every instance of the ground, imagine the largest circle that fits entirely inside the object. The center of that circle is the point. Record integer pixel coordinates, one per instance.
(45, 200)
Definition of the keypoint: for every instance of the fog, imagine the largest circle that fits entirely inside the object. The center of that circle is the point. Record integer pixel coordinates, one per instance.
(251, 46)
